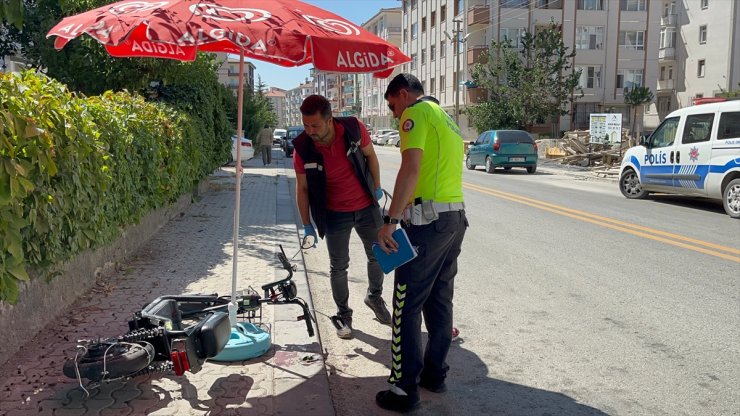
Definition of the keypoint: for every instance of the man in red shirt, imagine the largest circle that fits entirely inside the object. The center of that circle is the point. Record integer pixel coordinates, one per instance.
(337, 186)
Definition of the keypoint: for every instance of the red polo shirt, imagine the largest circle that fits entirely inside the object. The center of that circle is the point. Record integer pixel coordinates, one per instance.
(344, 192)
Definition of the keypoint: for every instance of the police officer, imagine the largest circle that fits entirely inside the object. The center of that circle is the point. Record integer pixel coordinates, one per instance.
(428, 202)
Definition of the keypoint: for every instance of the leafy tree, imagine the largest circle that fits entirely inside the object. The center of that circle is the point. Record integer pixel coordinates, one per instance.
(256, 111)
(528, 86)
(635, 98)
(12, 12)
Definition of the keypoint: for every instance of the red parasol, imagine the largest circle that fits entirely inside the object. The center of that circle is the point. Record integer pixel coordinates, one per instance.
(283, 32)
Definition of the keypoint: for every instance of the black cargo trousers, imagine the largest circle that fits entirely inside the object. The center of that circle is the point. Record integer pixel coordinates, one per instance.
(426, 285)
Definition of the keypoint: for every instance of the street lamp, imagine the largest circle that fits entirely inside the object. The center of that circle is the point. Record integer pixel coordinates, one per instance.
(456, 76)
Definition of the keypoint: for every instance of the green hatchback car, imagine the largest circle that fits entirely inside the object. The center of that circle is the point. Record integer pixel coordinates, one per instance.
(503, 149)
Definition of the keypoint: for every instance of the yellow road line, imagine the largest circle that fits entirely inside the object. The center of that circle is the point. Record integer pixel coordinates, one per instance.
(618, 225)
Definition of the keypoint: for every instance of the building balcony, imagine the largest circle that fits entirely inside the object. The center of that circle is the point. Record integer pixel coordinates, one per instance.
(665, 85)
(475, 95)
(477, 54)
(390, 33)
(668, 21)
(667, 54)
(479, 15)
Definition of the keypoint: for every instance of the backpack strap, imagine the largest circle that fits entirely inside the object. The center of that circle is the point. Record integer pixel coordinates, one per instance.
(352, 134)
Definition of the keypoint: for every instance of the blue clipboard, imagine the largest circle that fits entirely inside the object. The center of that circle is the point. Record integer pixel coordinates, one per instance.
(406, 252)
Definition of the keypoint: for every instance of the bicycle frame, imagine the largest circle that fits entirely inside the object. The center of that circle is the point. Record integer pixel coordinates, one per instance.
(159, 341)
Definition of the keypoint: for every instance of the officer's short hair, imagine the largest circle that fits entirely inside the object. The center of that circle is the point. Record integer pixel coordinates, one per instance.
(316, 104)
(404, 81)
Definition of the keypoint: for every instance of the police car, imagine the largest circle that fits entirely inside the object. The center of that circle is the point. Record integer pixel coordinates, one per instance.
(695, 151)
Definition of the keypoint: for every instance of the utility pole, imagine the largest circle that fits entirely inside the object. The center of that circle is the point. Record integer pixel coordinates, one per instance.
(456, 76)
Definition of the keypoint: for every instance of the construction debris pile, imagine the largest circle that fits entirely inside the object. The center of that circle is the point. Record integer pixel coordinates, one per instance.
(575, 148)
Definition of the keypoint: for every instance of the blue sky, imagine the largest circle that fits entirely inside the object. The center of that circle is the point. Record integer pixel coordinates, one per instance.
(357, 11)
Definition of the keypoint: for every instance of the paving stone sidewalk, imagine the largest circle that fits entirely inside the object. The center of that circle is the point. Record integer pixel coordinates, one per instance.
(191, 254)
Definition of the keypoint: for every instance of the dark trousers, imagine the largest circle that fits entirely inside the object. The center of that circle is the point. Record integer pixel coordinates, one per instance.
(425, 286)
(266, 151)
(339, 227)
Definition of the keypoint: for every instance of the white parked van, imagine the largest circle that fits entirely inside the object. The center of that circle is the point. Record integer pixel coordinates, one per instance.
(695, 151)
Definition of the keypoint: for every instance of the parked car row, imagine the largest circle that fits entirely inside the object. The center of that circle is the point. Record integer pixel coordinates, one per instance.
(287, 144)
(384, 137)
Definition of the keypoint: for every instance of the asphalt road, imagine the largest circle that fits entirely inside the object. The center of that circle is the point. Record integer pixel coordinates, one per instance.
(571, 300)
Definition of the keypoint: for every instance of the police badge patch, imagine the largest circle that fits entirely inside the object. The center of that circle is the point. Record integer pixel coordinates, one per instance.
(408, 125)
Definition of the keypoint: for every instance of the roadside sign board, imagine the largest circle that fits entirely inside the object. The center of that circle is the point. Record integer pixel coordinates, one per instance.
(605, 128)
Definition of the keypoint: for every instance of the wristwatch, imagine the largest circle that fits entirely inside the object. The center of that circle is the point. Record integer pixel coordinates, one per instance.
(388, 220)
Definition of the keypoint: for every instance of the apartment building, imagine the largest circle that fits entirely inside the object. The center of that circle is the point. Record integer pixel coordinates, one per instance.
(699, 53)
(228, 72)
(277, 98)
(293, 100)
(386, 24)
(616, 42)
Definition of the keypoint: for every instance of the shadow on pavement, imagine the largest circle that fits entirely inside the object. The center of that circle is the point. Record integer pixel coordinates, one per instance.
(472, 390)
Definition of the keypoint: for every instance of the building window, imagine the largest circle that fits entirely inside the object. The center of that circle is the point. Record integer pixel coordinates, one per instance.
(664, 104)
(589, 37)
(413, 61)
(413, 4)
(701, 68)
(511, 36)
(703, 34)
(459, 6)
(704, 4)
(590, 76)
(433, 53)
(442, 47)
(431, 87)
(423, 56)
(423, 24)
(667, 38)
(590, 4)
(414, 30)
(549, 4)
(634, 40)
(433, 19)
(629, 78)
(632, 5)
(442, 85)
(442, 13)
(515, 4)
(405, 34)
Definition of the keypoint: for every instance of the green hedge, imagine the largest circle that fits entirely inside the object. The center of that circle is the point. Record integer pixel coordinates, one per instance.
(75, 170)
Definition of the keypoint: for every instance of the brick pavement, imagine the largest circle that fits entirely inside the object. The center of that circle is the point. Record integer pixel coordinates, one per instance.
(191, 254)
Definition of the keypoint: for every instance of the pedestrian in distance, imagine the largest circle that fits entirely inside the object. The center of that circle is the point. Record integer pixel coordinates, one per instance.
(337, 190)
(428, 203)
(264, 141)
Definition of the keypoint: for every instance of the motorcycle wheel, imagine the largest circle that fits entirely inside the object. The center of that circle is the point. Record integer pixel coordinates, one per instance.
(110, 360)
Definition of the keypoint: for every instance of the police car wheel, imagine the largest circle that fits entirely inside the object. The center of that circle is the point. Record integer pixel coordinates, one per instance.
(629, 184)
(731, 198)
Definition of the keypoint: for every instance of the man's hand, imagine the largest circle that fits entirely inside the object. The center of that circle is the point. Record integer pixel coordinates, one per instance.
(309, 236)
(385, 238)
(379, 194)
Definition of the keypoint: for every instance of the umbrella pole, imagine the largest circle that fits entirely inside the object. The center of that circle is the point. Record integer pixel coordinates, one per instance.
(238, 169)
